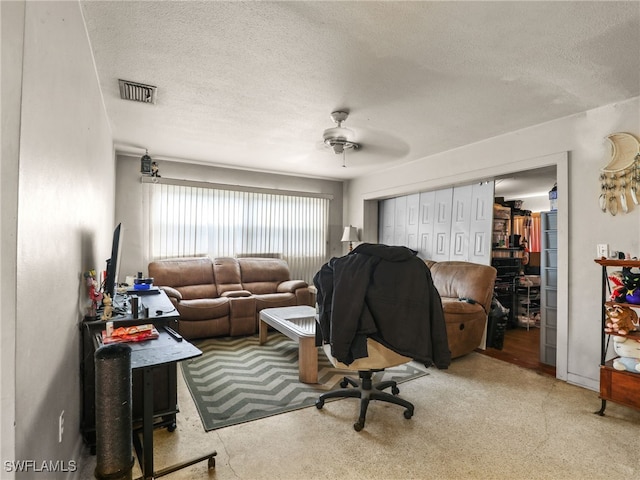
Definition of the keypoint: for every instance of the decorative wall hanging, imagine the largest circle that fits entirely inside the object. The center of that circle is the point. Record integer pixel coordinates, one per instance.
(620, 178)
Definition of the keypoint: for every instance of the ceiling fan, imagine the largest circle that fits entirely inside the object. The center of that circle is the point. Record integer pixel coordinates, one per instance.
(340, 138)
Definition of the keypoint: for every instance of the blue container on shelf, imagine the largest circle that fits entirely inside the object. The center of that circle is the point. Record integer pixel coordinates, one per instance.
(142, 283)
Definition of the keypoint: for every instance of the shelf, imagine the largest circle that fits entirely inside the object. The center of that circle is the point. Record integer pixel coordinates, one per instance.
(619, 386)
(620, 304)
(605, 262)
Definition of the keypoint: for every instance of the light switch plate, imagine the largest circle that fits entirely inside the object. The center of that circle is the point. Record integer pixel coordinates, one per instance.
(603, 250)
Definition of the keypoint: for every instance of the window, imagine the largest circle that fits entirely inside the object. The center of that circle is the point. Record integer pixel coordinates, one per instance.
(187, 219)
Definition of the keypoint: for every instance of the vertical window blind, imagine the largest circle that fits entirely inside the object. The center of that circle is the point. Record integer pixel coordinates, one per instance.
(186, 220)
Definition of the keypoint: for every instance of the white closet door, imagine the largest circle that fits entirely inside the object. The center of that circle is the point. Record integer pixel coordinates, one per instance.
(413, 208)
(387, 220)
(427, 208)
(481, 223)
(400, 229)
(442, 225)
(460, 222)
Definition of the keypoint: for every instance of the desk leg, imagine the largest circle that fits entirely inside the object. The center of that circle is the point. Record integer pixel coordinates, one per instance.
(308, 360)
(146, 449)
(147, 424)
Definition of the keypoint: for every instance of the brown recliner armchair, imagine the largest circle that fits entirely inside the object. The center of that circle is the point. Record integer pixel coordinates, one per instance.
(466, 291)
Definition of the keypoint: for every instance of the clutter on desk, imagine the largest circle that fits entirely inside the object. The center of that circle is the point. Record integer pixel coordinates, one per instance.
(136, 333)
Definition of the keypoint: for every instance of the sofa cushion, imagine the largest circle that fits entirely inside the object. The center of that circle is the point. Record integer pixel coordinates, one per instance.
(204, 308)
(191, 292)
(227, 272)
(181, 272)
(456, 279)
(453, 307)
(273, 300)
(262, 275)
(236, 293)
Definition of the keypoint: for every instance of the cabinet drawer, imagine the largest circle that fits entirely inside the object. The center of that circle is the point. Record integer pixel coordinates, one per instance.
(620, 387)
(551, 239)
(550, 317)
(551, 258)
(550, 298)
(550, 277)
(551, 221)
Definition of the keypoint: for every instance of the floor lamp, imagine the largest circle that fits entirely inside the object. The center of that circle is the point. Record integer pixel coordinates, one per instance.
(350, 235)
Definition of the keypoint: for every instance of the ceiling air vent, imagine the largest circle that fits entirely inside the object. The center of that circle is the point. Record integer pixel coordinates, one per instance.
(137, 92)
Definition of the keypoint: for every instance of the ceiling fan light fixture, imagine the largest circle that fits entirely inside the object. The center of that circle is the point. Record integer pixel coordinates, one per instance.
(339, 138)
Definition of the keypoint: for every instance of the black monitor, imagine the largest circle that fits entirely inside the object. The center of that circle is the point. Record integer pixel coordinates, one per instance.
(113, 263)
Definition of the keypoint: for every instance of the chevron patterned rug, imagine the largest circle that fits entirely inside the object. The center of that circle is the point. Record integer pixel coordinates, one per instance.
(237, 380)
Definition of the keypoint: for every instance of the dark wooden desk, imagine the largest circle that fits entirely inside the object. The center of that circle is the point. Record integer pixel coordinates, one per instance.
(161, 313)
(169, 348)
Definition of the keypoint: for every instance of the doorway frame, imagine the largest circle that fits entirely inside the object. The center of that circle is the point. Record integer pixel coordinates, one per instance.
(561, 161)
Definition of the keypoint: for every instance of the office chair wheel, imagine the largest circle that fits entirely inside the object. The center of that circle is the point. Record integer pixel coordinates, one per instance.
(171, 427)
(211, 463)
(395, 390)
(319, 404)
(344, 383)
(408, 414)
(359, 425)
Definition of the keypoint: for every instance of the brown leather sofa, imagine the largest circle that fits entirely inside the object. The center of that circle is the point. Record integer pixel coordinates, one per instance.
(223, 296)
(466, 290)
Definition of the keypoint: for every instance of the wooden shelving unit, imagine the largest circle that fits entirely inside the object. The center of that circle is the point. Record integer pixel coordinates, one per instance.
(617, 386)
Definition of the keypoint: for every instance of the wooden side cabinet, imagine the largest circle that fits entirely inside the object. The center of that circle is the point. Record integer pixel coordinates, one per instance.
(620, 387)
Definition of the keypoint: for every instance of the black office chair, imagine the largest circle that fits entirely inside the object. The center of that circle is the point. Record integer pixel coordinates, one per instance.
(379, 357)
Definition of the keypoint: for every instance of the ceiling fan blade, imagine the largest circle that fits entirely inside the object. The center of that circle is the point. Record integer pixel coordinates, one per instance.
(383, 144)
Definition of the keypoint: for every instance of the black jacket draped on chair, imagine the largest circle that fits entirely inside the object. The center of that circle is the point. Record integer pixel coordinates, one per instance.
(386, 293)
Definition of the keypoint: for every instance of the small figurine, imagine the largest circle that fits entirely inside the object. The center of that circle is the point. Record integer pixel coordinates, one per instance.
(107, 313)
(620, 320)
(629, 354)
(631, 281)
(155, 172)
(94, 292)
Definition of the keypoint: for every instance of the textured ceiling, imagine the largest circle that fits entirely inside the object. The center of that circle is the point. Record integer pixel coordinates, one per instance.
(252, 84)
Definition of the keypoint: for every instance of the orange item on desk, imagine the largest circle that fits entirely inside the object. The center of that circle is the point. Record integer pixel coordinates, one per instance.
(136, 333)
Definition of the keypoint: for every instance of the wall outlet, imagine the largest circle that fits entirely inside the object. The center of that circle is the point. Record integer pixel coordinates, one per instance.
(603, 250)
(60, 426)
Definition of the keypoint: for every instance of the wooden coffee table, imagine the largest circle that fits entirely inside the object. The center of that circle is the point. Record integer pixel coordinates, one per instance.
(299, 324)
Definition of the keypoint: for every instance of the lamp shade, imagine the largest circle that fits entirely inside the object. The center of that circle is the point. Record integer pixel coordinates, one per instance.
(350, 234)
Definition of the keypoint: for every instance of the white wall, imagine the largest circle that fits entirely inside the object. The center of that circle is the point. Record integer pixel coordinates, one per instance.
(65, 217)
(12, 18)
(129, 199)
(582, 136)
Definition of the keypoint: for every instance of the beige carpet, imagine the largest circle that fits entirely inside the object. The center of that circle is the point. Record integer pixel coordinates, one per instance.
(481, 419)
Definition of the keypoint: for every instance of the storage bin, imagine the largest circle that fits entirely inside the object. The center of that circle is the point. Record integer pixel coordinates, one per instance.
(551, 277)
(551, 239)
(551, 258)
(551, 297)
(551, 317)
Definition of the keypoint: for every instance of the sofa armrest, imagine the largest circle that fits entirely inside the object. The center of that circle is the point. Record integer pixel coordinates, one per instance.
(172, 293)
(291, 285)
(236, 293)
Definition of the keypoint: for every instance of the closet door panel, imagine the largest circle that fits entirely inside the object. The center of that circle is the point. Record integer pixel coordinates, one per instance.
(481, 224)
(427, 209)
(400, 229)
(460, 222)
(387, 221)
(413, 209)
(442, 225)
